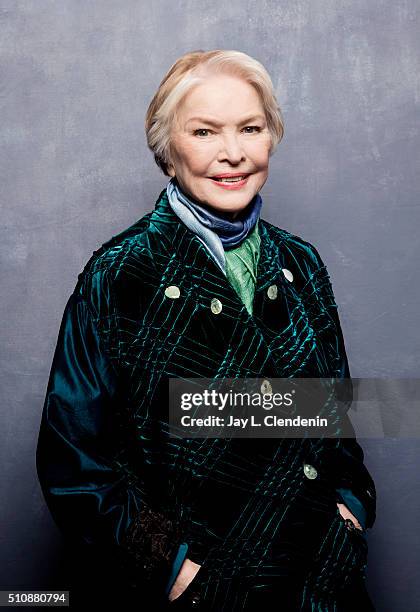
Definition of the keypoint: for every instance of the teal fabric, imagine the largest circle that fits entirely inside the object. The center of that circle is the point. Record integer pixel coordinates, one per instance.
(113, 478)
(241, 264)
(241, 270)
(354, 505)
(179, 560)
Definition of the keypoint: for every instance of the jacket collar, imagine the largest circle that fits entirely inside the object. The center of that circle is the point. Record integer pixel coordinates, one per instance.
(270, 265)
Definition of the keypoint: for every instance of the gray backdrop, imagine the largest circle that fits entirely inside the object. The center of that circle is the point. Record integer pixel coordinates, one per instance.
(76, 79)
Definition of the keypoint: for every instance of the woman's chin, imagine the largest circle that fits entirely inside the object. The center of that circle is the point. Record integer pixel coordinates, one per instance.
(229, 211)
(229, 201)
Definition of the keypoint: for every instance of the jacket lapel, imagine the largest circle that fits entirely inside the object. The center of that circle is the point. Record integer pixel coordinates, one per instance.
(197, 269)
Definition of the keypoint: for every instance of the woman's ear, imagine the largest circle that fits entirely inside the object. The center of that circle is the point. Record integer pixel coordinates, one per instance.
(170, 156)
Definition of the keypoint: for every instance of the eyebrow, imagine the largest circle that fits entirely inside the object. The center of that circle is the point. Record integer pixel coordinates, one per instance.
(217, 124)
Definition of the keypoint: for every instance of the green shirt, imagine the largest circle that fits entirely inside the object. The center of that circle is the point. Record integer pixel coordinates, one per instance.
(241, 267)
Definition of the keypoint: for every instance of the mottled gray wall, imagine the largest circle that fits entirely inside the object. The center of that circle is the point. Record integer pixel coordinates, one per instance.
(76, 79)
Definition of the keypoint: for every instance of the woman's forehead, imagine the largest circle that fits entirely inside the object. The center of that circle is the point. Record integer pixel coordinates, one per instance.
(214, 102)
(216, 122)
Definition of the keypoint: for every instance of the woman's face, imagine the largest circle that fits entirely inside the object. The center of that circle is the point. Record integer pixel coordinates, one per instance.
(221, 129)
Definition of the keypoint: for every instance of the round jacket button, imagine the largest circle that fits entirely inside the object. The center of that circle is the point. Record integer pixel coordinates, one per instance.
(309, 471)
(272, 292)
(266, 387)
(216, 306)
(287, 274)
(195, 601)
(172, 292)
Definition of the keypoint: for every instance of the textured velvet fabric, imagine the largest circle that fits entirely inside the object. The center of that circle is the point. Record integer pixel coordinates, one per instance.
(116, 483)
(241, 270)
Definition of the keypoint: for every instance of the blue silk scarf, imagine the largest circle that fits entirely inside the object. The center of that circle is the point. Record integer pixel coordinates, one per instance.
(231, 232)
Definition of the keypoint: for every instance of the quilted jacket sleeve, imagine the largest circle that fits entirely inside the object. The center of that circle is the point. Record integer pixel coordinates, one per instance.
(347, 460)
(81, 463)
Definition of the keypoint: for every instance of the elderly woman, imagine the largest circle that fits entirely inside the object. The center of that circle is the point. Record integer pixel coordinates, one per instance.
(202, 286)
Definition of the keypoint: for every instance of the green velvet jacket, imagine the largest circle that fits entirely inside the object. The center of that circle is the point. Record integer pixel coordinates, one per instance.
(112, 477)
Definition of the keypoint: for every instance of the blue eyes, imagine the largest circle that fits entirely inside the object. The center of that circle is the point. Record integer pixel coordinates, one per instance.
(251, 127)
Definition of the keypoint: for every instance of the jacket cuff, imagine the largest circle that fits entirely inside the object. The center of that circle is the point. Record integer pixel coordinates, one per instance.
(197, 551)
(341, 462)
(351, 473)
(353, 503)
(151, 543)
(367, 496)
(176, 565)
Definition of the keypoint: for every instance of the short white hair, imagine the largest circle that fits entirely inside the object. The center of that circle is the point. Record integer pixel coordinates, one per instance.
(190, 70)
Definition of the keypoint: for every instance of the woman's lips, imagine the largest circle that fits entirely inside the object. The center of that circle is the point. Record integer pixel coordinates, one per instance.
(231, 186)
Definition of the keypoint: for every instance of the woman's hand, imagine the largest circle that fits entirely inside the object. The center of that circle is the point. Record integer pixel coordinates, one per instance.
(346, 514)
(189, 569)
(185, 575)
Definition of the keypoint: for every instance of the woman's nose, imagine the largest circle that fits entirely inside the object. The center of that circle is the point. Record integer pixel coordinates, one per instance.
(231, 150)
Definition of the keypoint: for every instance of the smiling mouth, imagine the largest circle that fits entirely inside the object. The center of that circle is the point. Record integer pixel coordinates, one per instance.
(232, 179)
